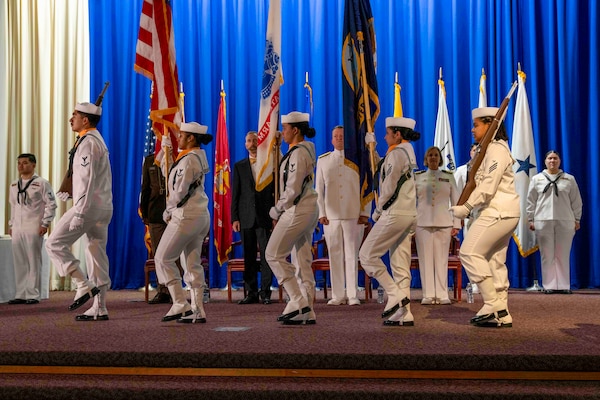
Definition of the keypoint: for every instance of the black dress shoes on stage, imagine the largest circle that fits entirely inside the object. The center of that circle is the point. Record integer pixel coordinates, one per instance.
(84, 317)
(17, 301)
(83, 299)
(177, 316)
(32, 301)
(249, 300)
(481, 319)
(161, 298)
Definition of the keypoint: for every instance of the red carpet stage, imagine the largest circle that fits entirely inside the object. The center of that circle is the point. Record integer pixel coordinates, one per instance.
(553, 351)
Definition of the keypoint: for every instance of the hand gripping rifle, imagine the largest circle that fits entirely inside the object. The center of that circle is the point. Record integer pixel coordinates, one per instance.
(67, 182)
(490, 134)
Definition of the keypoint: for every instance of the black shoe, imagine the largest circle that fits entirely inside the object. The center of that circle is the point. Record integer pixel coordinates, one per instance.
(32, 301)
(494, 324)
(17, 301)
(266, 300)
(83, 299)
(398, 323)
(161, 298)
(549, 291)
(173, 317)
(84, 317)
(481, 319)
(249, 300)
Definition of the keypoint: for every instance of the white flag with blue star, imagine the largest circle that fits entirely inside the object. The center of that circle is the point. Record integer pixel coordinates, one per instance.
(443, 134)
(523, 152)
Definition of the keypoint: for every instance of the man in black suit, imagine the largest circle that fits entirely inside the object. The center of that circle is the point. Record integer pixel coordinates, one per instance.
(250, 216)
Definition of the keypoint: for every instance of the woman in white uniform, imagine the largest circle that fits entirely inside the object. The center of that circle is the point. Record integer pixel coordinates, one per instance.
(554, 209)
(436, 191)
(187, 221)
(496, 203)
(395, 216)
(296, 215)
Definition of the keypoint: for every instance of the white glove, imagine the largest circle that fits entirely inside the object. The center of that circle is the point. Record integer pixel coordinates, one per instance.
(369, 138)
(64, 196)
(166, 216)
(274, 213)
(460, 212)
(166, 142)
(76, 223)
(376, 215)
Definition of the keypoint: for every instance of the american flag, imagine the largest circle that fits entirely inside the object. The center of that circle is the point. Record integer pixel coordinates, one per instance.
(155, 59)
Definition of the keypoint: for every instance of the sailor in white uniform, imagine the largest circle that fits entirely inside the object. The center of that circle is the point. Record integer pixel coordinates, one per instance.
(90, 215)
(188, 222)
(296, 213)
(343, 218)
(483, 250)
(32, 209)
(554, 209)
(436, 192)
(395, 218)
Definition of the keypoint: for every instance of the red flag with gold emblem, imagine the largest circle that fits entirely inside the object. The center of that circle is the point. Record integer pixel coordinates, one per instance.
(222, 188)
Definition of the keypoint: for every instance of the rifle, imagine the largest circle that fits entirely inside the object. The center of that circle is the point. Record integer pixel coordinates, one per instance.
(67, 182)
(490, 134)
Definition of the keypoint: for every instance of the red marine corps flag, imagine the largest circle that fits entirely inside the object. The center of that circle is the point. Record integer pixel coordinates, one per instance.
(155, 59)
(222, 187)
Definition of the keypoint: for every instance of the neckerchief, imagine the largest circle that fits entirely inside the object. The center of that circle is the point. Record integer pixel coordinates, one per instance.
(23, 190)
(552, 183)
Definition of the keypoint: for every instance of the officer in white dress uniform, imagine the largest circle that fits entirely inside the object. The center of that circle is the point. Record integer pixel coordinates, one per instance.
(32, 209)
(343, 219)
(483, 250)
(395, 218)
(296, 213)
(554, 210)
(188, 222)
(436, 192)
(90, 215)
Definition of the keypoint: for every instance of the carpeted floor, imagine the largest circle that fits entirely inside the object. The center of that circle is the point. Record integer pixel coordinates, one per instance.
(551, 333)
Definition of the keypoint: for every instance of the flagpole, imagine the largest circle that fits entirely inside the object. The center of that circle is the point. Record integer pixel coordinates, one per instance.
(181, 101)
(367, 102)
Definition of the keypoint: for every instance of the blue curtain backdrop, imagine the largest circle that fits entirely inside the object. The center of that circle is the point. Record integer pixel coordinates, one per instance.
(556, 42)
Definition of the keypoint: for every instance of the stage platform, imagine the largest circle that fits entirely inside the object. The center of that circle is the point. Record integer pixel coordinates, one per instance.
(553, 351)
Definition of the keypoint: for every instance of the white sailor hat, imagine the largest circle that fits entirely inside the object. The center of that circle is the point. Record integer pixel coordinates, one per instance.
(193, 127)
(400, 122)
(295, 117)
(482, 112)
(88, 108)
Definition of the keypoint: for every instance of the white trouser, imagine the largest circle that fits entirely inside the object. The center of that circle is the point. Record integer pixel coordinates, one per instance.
(555, 239)
(343, 237)
(27, 260)
(432, 247)
(389, 234)
(185, 234)
(293, 231)
(400, 264)
(483, 250)
(95, 228)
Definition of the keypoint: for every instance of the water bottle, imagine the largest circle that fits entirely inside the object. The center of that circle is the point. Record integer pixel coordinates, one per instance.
(380, 293)
(469, 293)
(206, 296)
